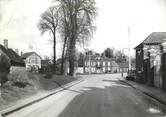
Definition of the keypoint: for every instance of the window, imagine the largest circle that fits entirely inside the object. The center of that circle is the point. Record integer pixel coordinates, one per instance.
(109, 69)
(103, 63)
(108, 63)
(94, 63)
(28, 60)
(103, 69)
(98, 63)
(86, 69)
(88, 63)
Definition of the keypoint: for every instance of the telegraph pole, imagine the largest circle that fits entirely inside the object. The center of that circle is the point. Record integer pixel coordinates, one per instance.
(129, 30)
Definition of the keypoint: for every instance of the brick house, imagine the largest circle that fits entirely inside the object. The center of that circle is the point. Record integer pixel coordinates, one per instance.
(32, 61)
(149, 60)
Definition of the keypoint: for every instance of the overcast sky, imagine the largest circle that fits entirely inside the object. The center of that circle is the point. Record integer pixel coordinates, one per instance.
(18, 24)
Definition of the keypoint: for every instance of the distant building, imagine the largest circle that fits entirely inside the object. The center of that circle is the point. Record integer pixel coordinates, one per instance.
(123, 66)
(14, 58)
(45, 66)
(45, 63)
(32, 61)
(99, 64)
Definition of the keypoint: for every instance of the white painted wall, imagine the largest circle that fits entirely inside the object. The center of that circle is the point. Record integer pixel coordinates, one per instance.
(33, 60)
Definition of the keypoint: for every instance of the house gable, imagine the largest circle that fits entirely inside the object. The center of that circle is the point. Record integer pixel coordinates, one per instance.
(26, 55)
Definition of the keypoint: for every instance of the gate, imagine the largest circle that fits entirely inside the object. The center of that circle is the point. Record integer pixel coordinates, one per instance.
(157, 72)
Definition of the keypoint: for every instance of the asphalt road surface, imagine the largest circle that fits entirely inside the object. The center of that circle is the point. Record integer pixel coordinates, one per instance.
(96, 96)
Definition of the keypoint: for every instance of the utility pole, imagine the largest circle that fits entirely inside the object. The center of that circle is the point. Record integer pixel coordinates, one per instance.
(129, 31)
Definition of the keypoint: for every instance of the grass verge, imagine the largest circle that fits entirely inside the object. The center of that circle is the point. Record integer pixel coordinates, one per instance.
(29, 85)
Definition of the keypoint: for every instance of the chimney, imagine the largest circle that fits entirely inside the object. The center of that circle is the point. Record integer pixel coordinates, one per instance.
(17, 51)
(21, 53)
(5, 42)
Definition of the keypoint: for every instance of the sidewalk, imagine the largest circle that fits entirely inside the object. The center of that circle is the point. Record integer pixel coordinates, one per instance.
(36, 98)
(153, 92)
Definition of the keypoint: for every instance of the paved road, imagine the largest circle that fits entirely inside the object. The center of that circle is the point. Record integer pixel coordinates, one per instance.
(97, 96)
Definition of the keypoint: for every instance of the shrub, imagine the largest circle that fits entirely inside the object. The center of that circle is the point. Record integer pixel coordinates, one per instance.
(4, 69)
(48, 76)
(21, 84)
(48, 72)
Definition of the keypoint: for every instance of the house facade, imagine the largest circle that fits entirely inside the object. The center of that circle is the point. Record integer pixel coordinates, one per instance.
(150, 60)
(123, 67)
(99, 64)
(32, 61)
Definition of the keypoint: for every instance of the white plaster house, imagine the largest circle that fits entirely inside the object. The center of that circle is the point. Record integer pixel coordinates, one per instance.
(32, 61)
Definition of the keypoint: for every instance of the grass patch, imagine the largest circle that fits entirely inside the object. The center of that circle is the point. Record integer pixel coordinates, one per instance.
(22, 85)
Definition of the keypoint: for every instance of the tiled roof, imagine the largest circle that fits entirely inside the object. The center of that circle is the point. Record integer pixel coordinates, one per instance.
(25, 55)
(13, 56)
(91, 57)
(154, 38)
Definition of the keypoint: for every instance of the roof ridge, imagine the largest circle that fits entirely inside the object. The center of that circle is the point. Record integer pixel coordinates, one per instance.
(152, 38)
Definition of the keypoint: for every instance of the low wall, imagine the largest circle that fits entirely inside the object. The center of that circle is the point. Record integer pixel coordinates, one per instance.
(18, 74)
(14, 69)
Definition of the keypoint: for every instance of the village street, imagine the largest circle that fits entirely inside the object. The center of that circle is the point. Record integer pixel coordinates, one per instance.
(96, 96)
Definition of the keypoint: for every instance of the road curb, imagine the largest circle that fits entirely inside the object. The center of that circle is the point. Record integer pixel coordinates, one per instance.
(12, 109)
(127, 83)
(146, 93)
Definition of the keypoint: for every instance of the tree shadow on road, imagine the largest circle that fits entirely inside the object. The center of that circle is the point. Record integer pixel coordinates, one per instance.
(109, 101)
(117, 83)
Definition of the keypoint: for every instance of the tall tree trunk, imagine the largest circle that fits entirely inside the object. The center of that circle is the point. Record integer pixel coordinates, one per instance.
(63, 53)
(72, 64)
(72, 57)
(73, 37)
(67, 56)
(54, 50)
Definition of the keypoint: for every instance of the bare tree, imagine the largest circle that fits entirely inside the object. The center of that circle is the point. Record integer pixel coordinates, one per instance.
(63, 55)
(64, 31)
(109, 53)
(79, 15)
(49, 23)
